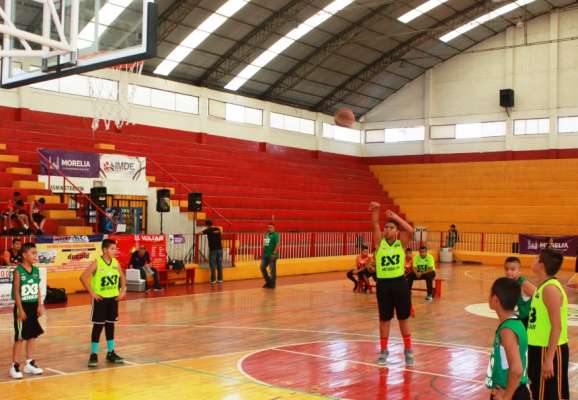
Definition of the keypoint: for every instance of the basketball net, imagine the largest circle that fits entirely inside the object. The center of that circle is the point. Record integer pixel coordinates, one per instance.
(112, 103)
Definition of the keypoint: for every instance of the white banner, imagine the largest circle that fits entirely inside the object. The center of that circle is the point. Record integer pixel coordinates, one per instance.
(6, 286)
(118, 167)
(57, 185)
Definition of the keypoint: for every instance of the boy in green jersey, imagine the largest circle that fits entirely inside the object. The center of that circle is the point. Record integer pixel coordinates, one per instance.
(105, 282)
(507, 372)
(391, 286)
(27, 308)
(548, 353)
(512, 270)
(424, 268)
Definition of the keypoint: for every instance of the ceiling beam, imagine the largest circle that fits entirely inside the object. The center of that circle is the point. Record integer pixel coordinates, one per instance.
(382, 63)
(245, 47)
(302, 69)
(172, 17)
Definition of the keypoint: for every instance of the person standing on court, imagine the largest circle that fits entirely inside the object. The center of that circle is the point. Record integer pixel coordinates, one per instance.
(213, 234)
(392, 288)
(270, 256)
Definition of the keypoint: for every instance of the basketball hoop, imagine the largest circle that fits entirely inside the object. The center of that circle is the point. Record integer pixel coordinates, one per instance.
(112, 102)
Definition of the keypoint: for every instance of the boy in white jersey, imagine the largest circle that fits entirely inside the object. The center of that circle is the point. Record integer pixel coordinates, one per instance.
(392, 288)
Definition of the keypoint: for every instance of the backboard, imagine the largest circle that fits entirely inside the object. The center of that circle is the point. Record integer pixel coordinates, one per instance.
(55, 38)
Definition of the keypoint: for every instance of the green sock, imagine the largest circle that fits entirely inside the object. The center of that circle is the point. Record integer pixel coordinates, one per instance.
(94, 347)
(110, 345)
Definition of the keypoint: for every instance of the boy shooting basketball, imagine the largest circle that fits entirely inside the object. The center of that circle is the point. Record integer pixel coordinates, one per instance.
(105, 282)
(27, 308)
(512, 270)
(392, 288)
(506, 376)
(548, 353)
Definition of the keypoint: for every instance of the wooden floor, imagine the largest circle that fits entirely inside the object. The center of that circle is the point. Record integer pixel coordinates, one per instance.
(310, 338)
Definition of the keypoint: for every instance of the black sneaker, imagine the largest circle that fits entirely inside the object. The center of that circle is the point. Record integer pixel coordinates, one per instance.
(93, 360)
(114, 358)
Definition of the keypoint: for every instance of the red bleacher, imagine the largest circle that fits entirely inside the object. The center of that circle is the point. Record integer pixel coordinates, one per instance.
(246, 182)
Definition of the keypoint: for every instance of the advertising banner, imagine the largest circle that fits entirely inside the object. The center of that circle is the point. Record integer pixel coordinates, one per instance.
(68, 253)
(156, 246)
(118, 167)
(532, 244)
(70, 163)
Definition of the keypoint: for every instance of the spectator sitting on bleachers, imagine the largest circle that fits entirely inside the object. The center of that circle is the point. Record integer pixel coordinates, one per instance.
(362, 270)
(36, 215)
(424, 268)
(141, 260)
(13, 255)
(453, 237)
(9, 211)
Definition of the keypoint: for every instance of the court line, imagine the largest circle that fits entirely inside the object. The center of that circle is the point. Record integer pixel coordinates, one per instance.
(56, 371)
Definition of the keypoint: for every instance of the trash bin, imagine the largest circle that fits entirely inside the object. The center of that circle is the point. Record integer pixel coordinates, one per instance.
(446, 255)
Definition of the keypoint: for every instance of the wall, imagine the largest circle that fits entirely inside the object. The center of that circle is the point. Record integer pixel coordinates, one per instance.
(543, 74)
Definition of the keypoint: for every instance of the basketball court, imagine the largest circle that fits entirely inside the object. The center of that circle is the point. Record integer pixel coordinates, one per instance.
(312, 338)
(325, 101)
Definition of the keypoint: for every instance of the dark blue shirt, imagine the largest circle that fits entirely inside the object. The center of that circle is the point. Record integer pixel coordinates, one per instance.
(137, 261)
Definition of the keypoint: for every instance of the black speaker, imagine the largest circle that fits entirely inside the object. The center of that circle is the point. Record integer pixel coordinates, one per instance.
(98, 196)
(507, 98)
(195, 202)
(163, 200)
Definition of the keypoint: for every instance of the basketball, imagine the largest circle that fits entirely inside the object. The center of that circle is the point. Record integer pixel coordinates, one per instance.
(344, 117)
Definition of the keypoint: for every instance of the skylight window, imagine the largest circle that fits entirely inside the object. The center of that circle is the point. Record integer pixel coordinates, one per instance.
(198, 36)
(106, 17)
(282, 44)
(418, 11)
(483, 19)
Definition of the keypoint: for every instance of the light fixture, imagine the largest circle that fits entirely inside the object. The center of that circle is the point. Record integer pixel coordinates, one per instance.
(198, 36)
(282, 44)
(422, 9)
(483, 19)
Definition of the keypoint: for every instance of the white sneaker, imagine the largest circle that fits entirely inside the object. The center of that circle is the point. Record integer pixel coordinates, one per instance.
(31, 368)
(15, 372)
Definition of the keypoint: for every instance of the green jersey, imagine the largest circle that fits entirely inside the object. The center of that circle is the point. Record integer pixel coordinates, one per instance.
(539, 325)
(106, 279)
(29, 284)
(498, 369)
(524, 302)
(270, 241)
(422, 264)
(390, 260)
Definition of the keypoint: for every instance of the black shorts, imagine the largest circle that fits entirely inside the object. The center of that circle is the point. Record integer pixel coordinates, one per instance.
(37, 218)
(105, 310)
(522, 393)
(393, 294)
(556, 388)
(29, 328)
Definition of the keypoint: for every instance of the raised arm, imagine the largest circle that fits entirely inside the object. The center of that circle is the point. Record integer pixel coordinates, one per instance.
(375, 208)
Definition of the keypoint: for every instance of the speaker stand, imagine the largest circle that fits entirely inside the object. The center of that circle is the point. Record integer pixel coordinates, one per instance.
(194, 236)
(161, 222)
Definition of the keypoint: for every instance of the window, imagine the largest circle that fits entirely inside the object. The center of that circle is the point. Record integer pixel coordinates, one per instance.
(375, 136)
(342, 134)
(480, 130)
(293, 124)
(536, 126)
(442, 132)
(568, 125)
(82, 85)
(246, 115)
(163, 99)
(396, 135)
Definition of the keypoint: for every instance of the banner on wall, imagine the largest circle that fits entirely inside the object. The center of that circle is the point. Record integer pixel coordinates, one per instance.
(156, 246)
(121, 174)
(6, 286)
(533, 244)
(68, 253)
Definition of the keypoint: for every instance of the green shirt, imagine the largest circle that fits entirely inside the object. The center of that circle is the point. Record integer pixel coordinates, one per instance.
(29, 284)
(498, 369)
(524, 303)
(106, 279)
(539, 325)
(421, 264)
(390, 260)
(270, 241)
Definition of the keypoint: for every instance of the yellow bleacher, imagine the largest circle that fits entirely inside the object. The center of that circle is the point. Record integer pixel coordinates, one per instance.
(527, 196)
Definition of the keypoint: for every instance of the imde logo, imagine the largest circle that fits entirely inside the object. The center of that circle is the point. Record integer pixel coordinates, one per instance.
(119, 166)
